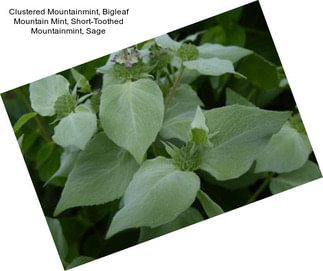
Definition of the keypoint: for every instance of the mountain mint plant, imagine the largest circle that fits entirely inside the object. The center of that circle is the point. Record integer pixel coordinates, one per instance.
(146, 143)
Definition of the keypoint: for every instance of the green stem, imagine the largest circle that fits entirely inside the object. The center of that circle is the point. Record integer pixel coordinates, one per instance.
(260, 189)
(172, 90)
(158, 77)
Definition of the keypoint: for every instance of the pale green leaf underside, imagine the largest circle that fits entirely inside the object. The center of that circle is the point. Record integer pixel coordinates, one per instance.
(44, 93)
(199, 121)
(165, 41)
(188, 217)
(210, 207)
(309, 172)
(131, 114)
(286, 151)
(199, 131)
(243, 132)
(76, 130)
(81, 81)
(192, 37)
(157, 194)
(101, 174)
(210, 66)
(180, 114)
(232, 53)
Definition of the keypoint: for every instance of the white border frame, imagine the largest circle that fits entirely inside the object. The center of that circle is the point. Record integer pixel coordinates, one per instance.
(283, 232)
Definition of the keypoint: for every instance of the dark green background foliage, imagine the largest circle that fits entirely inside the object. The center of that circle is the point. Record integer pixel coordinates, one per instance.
(255, 80)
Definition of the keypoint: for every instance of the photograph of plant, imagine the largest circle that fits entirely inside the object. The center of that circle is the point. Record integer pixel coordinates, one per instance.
(161, 135)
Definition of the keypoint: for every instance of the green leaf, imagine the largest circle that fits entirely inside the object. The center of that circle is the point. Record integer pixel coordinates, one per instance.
(79, 260)
(157, 194)
(209, 206)
(233, 97)
(188, 217)
(58, 236)
(230, 17)
(50, 165)
(44, 152)
(235, 35)
(81, 81)
(214, 34)
(101, 174)
(232, 53)
(20, 140)
(199, 130)
(109, 77)
(286, 151)
(67, 162)
(309, 172)
(23, 120)
(193, 37)
(259, 71)
(29, 140)
(180, 114)
(44, 93)
(75, 130)
(165, 41)
(132, 114)
(75, 226)
(89, 69)
(243, 132)
(210, 66)
(264, 97)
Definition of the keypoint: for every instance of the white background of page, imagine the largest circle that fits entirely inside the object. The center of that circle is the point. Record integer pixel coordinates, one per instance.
(283, 232)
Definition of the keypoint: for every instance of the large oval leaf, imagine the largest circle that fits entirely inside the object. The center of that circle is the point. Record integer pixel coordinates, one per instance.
(76, 129)
(44, 93)
(309, 172)
(132, 114)
(180, 114)
(101, 174)
(158, 193)
(286, 151)
(242, 132)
